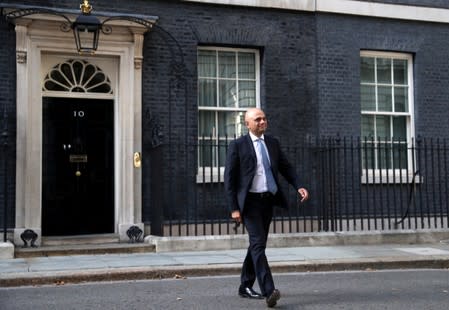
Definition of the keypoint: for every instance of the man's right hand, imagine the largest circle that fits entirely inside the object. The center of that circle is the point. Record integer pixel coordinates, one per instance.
(236, 216)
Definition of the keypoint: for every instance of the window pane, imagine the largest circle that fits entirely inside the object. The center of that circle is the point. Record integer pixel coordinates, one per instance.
(226, 64)
(207, 66)
(401, 99)
(247, 94)
(368, 151)
(384, 155)
(247, 66)
(387, 127)
(400, 155)
(228, 94)
(206, 152)
(384, 99)
(231, 124)
(88, 72)
(383, 131)
(367, 70)
(383, 70)
(367, 127)
(206, 126)
(226, 79)
(222, 148)
(400, 128)
(67, 70)
(368, 97)
(400, 71)
(207, 93)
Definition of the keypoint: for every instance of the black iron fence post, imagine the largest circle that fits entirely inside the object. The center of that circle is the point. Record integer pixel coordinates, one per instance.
(5, 183)
(157, 196)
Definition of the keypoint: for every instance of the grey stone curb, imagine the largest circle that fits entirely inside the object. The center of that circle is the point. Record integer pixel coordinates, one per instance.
(181, 272)
(230, 242)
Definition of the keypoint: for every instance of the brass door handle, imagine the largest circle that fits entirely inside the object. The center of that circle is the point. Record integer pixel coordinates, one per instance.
(137, 160)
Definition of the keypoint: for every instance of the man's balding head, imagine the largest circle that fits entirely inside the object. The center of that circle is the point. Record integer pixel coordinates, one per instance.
(256, 121)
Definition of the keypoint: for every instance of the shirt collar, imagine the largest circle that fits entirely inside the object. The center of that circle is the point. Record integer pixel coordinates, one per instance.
(254, 137)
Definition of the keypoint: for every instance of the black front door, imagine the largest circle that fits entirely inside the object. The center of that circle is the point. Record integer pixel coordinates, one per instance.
(77, 166)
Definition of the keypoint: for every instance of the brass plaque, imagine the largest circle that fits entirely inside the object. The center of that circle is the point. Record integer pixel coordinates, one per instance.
(79, 158)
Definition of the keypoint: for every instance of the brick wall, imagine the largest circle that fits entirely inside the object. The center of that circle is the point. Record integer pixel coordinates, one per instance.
(286, 42)
(338, 70)
(309, 76)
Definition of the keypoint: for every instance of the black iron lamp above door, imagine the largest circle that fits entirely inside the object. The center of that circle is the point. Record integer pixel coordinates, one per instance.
(86, 29)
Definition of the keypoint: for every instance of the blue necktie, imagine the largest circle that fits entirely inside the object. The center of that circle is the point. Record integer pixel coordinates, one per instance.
(271, 183)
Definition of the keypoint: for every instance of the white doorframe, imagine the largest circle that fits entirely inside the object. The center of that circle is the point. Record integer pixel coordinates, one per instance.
(40, 37)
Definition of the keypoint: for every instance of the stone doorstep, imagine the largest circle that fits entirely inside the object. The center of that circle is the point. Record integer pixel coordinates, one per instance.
(82, 245)
(83, 249)
(80, 239)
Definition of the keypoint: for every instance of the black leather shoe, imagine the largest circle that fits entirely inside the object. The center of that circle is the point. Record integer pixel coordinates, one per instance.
(273, 298)
(248, 292)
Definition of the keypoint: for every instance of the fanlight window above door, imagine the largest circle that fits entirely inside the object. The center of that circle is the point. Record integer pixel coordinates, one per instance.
(78, 76)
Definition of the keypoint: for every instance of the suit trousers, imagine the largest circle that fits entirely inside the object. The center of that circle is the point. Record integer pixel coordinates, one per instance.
(257, 216)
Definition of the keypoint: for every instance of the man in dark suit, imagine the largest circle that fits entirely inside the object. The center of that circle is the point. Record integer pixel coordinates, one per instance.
(252, 189)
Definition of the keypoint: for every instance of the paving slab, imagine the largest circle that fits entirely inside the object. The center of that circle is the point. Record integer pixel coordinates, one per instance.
(106, 267)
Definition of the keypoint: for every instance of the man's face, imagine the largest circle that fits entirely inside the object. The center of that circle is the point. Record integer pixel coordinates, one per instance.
(256, 121)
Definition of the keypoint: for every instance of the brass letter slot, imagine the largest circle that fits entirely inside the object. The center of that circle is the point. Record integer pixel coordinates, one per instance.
(78, 158)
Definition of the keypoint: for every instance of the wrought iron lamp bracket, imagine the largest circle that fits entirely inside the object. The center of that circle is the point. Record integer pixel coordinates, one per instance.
(13, 13)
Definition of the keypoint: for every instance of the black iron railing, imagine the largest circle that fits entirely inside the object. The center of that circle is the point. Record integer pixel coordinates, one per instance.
(355, 185)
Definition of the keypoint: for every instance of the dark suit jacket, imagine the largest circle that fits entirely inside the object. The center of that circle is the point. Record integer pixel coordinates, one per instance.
(240, 169)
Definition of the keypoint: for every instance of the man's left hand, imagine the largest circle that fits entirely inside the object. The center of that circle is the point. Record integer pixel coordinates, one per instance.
(304, 194)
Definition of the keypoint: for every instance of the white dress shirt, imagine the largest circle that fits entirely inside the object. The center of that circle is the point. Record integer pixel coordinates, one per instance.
(259, 184)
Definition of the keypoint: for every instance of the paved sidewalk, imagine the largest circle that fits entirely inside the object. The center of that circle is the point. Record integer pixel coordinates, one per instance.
(80, 268)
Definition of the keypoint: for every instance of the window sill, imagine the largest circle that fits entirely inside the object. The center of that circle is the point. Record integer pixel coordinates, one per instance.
(391, 178)
(210, 175)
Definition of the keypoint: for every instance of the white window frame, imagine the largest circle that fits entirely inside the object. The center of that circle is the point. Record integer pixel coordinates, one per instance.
(215, 174)
(373, 176)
